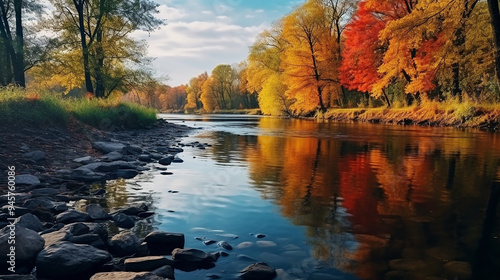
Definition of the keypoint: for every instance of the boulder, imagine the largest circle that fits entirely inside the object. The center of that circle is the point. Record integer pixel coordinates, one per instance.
(162, 243)
(39, 203)
(34, 155)
(28, 244)
(121, 275)
(123, 244)
(165, 271)
(135, 209)
(29, 221)
(144, 157)
(166, 160)
(146, 263)
(123, 220)
(72, 216)
(65, 260)
(96, 212)
(192, 259)
(84, 160)
(84, 174)
(258, 271)
(113, 156)
(44, 192)
(124, 173)
(225, 245)
(27, 179)
(80, 233)
(108, 147)
(131, 150)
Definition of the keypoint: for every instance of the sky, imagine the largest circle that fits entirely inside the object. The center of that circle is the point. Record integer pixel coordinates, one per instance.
(201, 34)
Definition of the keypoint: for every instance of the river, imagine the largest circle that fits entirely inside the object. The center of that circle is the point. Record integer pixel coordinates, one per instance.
(322, 200)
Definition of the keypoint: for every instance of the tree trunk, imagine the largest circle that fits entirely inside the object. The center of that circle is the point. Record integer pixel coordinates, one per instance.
(6, 66)
(99, 65)
(6, 36)
(495, 24)
(387, 99)
(85, 50)
(18, 63)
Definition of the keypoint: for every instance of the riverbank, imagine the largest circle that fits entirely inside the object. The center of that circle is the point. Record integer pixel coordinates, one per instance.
(52, 168)
(464, 116)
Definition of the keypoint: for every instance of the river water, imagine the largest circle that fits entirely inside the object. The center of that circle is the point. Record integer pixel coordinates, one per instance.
(330, 200)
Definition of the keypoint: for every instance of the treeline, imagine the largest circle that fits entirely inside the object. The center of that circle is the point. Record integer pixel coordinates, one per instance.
(344, 53)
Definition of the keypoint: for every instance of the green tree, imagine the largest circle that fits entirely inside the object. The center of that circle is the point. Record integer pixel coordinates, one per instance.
(100, 30)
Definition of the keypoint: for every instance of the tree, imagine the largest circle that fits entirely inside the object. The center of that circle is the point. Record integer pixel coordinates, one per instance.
(219, 90)
(12, 46)
(495, 24)
(194, 91)
(102, 29)
(310, 58)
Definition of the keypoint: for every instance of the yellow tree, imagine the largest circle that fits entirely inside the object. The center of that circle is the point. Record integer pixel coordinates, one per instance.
(310, 59)
(264, 73)
(194, 90)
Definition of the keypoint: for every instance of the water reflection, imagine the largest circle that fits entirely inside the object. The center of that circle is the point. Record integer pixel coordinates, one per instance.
(379, 201)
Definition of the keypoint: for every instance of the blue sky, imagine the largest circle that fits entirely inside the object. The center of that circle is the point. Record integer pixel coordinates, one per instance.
(199, 34)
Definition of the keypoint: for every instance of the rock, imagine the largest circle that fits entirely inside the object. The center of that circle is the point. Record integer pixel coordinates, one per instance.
(44, 192)
(266, 244)
(244, 245)
(123, 220)
(162, 243)
(188, 259)
(84, 174)
(123, 244)
(28, 244)
(27, 179)
(458, 270)
(98, 192)
(108, 147)
(258, 271)
(39, 203)
(56, 236)
(144, 157)
(131, 150)
(146, 263)
(166, 160)
(84, 160)
(29, 221)
(107, 166)
(177, 160)
(260, 235)
(72, 216)
(65, 260)
(80, 233)
(121, 275)
(35, 155)
(135, 209)
(89, 239)
(165, 271)
(146, 214)
(225, 245)
(112, 156)
(209, 242)
(124, 173)
(96, 212)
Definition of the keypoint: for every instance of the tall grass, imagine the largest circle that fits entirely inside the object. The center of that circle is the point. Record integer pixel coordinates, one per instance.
(33, 109)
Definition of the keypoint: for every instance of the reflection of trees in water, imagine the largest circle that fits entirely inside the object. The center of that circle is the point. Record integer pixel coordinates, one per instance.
(407, 194)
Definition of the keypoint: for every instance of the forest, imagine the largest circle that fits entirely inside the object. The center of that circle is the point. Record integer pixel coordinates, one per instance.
(324, 54)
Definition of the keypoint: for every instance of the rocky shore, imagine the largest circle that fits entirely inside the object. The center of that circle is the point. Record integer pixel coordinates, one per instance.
(54, 167)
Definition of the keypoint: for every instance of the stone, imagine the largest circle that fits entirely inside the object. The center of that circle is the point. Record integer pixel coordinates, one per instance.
(189, 259)
(123, 220)
(121, 275)
(258, 271)
(39, 203)
(56, 236)
(84, 174)
(132, 150)
(146, 263)
(17, 277)
(44, 192)
(457, 270)
(144, 157)
(90, 239)
(27, 179)
(30, 221)
(123, 244)
(84, 160)
(124, 173)
(244, 245)
(108, 147)
(107, 166)
(260, 235)
(28, 244)
(209, 242)
(266, 244)
(135, 209)
(163, 243)
(72, 216)
(112, 156)
(165, 271)
(166, 160)
(177, 160)
(225, 245)
(96, 212)
(146, 214)
(35, 156)
(65, 260)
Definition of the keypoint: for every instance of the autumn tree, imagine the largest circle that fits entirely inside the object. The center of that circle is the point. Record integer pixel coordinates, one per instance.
(99, 30)
(495, 24)
(194, 90)
(264, 73)
(220, 88)
(310, 58)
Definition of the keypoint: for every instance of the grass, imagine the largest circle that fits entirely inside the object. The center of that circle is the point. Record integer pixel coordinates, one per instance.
(19, 107)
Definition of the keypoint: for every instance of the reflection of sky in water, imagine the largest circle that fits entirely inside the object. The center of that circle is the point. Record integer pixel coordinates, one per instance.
(329, 196)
